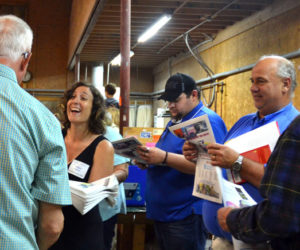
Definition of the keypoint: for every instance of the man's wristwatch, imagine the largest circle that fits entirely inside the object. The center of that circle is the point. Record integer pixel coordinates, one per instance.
(237, 165)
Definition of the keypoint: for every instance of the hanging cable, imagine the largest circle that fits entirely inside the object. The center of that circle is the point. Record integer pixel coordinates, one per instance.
(211, 95)
(209, 72)
(197, 57)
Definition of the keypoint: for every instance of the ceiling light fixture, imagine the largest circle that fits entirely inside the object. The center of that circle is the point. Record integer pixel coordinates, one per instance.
(117, 60)
(154, 28)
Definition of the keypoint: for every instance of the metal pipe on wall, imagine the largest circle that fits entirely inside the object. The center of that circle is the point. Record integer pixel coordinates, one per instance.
(77, 68)
(244, 68)
(293, 54)
(125, 63)
(86, 73)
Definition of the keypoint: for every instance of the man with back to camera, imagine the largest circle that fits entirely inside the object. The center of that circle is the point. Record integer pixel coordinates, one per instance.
(273, 84)
(170, 178)
(110, 101)
(33, 174)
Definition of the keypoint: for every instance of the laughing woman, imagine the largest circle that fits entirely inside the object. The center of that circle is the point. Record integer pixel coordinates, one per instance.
(90, 157)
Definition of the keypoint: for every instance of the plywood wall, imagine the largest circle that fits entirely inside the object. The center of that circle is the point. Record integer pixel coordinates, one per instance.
(279, 35)
(141, 79)
(49, 20)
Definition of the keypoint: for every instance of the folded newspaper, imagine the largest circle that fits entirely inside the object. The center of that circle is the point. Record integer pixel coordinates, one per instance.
(127, 147)
(197, 131)
(209, 183)
(85, 196)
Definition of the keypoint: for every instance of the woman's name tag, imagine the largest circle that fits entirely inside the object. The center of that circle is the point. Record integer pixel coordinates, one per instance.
(78, 168)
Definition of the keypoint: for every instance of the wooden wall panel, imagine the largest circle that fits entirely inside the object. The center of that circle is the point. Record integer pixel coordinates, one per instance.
(49, 20)
(279, 35)
(141, 79)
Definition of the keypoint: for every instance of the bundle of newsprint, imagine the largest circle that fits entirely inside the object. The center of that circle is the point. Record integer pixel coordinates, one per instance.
(209, 183)
(85, 196)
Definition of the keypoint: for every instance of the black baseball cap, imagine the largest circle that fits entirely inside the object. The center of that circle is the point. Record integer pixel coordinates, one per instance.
(176, 85)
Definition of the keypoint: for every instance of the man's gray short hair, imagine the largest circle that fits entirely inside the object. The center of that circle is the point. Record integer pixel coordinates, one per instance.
(285, 69)
(15, 37)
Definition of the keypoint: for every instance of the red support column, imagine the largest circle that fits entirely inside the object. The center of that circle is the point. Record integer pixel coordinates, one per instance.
(125, 63)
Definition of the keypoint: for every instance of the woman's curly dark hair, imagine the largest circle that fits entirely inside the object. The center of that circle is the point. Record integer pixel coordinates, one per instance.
(96, 121)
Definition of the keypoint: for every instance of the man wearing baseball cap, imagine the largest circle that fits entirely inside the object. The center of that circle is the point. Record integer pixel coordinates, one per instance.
(170, 177)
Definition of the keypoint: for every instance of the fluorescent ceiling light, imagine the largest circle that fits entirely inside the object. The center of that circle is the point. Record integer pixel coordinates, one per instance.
(154, 28)
(117, 60)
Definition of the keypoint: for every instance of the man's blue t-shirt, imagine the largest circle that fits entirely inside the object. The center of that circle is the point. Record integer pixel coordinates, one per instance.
(245, 124)
(169, 191)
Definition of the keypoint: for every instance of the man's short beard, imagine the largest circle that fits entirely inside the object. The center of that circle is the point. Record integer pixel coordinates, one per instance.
(177, 117)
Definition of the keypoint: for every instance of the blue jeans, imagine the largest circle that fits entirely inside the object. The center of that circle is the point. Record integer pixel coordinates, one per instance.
(186, 234)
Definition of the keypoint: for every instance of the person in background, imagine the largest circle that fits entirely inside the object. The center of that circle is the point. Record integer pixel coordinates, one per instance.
(110, 101)
(273, 84)
(276, 217)
(33, 174)
(108, 213)
(90, 158)
(115, 117)
(170, 177)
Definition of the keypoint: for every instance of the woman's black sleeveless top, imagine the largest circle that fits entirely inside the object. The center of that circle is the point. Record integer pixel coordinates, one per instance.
(82, 232)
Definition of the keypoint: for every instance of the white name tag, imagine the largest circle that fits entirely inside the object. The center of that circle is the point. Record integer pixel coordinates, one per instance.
(78, 168)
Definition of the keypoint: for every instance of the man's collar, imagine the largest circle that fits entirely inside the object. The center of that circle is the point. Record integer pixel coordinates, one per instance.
(270, 116)
(7, 72)
(193, 112)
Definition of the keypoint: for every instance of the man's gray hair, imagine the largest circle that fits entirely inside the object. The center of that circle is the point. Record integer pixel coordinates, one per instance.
(15, 37)
(285, 69)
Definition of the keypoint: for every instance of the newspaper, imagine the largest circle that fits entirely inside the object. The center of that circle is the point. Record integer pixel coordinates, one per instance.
(127, 147)
(209, 183)
(257, 145)
(197, 131)
(85, 196)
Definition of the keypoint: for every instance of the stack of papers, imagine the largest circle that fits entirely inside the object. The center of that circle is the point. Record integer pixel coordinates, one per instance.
(85, 196)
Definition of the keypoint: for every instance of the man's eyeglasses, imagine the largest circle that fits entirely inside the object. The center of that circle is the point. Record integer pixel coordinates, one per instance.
(26, 55)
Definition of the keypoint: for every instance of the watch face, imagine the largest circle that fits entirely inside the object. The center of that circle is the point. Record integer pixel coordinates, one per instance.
(27, 76)
(236, 167)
